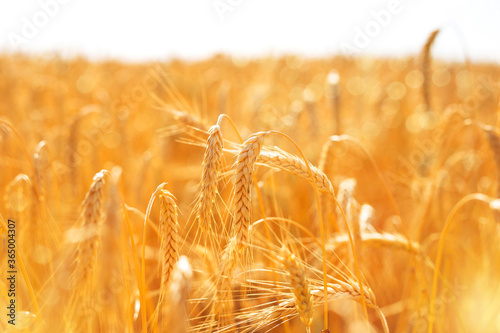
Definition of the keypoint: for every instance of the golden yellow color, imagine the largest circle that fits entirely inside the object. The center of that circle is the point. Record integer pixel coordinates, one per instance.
(399, 158)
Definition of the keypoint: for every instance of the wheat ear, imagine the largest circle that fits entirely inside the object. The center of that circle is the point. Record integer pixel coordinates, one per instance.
(168, 238)
(426, 67)
(348, 290)
(277, 158)
(84, 275)
(245, 164)
(299, 286)
(90, 230)
(212, 165)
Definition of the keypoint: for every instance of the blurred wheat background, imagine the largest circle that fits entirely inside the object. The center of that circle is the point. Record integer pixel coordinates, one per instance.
(279, 194)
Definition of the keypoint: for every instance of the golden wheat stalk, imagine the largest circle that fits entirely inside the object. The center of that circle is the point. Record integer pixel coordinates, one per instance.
(169, 228)
(90, 217)
(82, 304)
(245, 164)
(426, 67)
(277, 158)
(212, 166)
(348, 290)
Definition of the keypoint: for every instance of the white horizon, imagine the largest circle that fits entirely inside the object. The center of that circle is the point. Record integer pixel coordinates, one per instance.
(195, 30)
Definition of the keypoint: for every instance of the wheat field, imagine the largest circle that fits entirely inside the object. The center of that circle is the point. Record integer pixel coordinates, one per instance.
(263, 195)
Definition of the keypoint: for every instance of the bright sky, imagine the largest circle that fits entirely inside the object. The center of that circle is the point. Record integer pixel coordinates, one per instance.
(194, 29)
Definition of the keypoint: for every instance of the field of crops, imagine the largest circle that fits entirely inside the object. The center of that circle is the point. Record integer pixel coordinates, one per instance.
(264, 195)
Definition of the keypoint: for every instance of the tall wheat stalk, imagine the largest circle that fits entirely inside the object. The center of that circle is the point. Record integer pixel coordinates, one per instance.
(245, 164)
(212, 166)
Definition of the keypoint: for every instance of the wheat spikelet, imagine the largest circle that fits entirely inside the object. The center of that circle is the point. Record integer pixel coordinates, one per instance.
(168, 238)
(245, 164)
(426, 67)
(349, 290)
(178, 294)
(298, 285)
(90, 218)
(277, 158)
(212, 165)
(82, 303)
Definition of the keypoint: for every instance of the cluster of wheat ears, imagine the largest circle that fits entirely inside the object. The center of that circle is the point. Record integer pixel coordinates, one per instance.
(271, 195)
